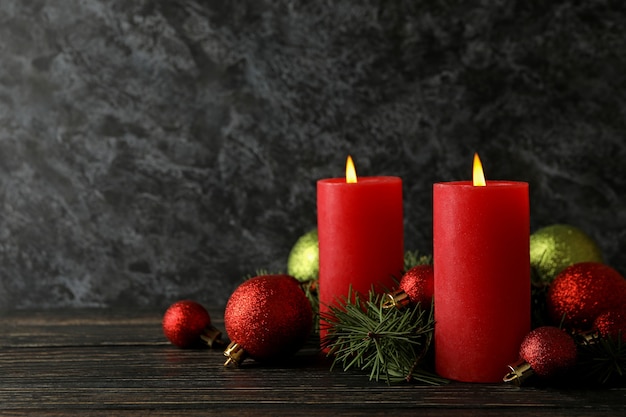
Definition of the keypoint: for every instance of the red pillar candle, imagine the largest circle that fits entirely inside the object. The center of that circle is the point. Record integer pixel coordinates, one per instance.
(360, 234)
(482, 277)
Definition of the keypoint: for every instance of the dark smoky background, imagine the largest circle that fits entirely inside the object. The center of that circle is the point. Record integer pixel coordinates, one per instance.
(155, 150)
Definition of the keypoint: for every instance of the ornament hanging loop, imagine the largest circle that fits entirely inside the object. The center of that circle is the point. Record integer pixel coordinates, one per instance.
(235, 354)
(212, 335)
(398, 299)
(587, 338)
(520, 371)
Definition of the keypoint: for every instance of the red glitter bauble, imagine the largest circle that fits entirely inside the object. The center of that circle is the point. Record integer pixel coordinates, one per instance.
(418, 283)
(184, 322)
(269, 317)
(548, 350)
(612, 323)
(581, 292)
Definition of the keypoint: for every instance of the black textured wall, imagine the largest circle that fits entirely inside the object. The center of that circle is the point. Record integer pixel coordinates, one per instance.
(155, 150)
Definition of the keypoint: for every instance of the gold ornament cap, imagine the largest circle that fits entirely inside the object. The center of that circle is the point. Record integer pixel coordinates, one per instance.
(212, 335)
(587, 338)
(398, 299)
(235, 353)
(520, 371)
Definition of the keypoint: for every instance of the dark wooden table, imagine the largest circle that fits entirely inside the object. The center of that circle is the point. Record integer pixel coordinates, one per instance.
(101, 362)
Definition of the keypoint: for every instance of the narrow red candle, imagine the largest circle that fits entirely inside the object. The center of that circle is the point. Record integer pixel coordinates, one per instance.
(361, 236)
(482, 277)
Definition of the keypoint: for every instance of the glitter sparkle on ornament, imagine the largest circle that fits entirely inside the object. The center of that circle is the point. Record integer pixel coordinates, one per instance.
(416, 286)
(582, 292)
(612, 323)
(418, 283)
(187, 323)
(304, 258)
(548, 350)
(269, 317)
(555, 247)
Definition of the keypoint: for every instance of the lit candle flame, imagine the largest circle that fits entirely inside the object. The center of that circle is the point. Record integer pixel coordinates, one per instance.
(479, 175)
(350, 170)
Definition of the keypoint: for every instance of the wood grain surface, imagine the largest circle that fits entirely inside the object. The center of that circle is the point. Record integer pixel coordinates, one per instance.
(101, 362)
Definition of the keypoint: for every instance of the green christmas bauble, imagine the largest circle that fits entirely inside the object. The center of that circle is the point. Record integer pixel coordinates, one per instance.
(304, 259)
(555, 247)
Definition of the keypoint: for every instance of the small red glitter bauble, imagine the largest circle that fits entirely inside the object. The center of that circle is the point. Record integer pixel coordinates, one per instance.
(612, 323)
(269, 317)
(581, 292)
(418, 284)
(184, 322)
(548, 350)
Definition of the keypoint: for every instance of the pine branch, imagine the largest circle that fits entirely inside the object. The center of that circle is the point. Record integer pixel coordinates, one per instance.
(389, 343)
(259, 272)
(602, 360)
(413, 258)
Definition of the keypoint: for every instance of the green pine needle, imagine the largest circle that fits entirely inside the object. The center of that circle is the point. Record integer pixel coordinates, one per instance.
(603, 360)
(258, 273)
(413, 258)
(389, 343)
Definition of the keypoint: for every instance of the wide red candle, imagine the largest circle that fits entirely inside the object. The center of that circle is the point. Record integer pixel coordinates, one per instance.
(361, 237)
(482, 277)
